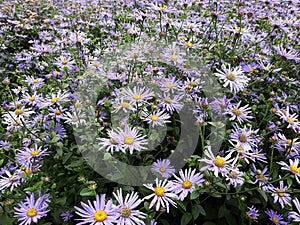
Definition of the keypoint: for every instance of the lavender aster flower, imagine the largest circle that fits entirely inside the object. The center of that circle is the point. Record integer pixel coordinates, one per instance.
(98, 213)
(31, 210)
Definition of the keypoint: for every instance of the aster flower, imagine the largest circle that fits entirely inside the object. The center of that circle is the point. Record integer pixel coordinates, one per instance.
(132, 140)
(67, 215)
(98, 213)
(113, 143)
(127, 212)
(295, 216)
(216, 164)
(261, 176)
(162, 196)
(275, 217)
(244, 137)
(185, 183)
(157, 118)
(27, 156)
(291, 119)
(241, 114)
(252, 213)
(292, 167)
(31, 210)
(170, 104)
(234, 78)
(169, 84)
(280, 194)
(65, 61)
(235, 177)
(136, 94)
(163, 167)
(58, 98)
(9, 180)
(288, 54)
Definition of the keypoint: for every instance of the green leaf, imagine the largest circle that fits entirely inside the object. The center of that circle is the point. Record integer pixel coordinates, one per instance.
(186, 218)
(86, 192)
(180, 203)
(263, 195)
(1, 161)
(196, 210)
(195, 194)
(222, 211)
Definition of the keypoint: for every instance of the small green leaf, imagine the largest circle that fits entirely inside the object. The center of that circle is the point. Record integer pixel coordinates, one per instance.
(186, 218)
(86, 192)
(195, 194)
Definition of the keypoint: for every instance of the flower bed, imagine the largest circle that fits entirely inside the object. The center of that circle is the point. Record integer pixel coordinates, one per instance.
(149, 112)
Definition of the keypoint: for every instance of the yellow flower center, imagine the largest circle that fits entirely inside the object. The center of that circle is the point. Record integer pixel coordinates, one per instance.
(31, 212)
(55, 99)
(136, 97)
(74, 119)
(31, 98)
(16, 123)
(186, 184)
(275, 219)
(162, 169)
(251, 70)
(189, 44)
(236, 112)
(219, 161)
(34, 153)
(239, 149)
(19, 111)
(100, 215)
(170, 86)
(125, 105)
(168, 100)
(290, 119)
(161, 8)
(64, 62)
(288, 141)
(125, 212)
(159, 191)
(280, 192)
(128, 140)
(231, 77)
(27, 171)
(295, 169)
(243, 138)
(174, 57)
(232, 174)
(154, 117)
(57, 112)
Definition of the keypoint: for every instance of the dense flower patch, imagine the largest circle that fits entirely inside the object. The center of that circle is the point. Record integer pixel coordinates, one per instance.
(149, 112)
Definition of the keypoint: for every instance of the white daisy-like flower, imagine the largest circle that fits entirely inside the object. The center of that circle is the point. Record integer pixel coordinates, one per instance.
(127, 212)
(216, 164)
(185, 182)
(291, 119)
(132, 140)
(157, 118)
(293, 167)
(233, 78)
(162, 196)
(163, 167)
(241, 114)
(136, 94)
